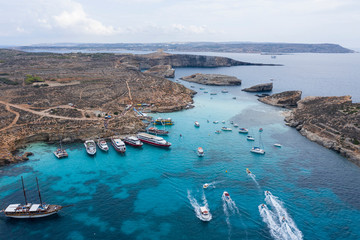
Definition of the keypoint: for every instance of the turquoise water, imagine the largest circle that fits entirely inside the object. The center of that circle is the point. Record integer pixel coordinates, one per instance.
(146, 193)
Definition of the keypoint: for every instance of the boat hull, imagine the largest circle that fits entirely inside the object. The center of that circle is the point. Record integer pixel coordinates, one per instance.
(155, 144)
(132, 144)
(32, 215)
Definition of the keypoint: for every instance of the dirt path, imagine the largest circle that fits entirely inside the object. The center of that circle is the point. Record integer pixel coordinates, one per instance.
(42, 113)
(17, 115)
(127, 84)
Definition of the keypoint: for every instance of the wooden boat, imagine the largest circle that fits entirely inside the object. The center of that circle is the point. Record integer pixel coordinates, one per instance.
(30, 210)
(162, 121)
(156, 131)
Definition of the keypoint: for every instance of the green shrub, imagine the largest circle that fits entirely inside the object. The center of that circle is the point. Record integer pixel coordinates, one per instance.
(116, 113)
(7, 81)
(355, 141)
(29, 79)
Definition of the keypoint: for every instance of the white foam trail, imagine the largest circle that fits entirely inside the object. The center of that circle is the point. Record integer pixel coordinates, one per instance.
(212, 184)
(231, 205)
(254, 178)
(280, 210)
(270, 219)
(196, 206)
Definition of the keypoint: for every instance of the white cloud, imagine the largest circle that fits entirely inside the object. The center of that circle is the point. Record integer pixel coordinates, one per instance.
(77, 20)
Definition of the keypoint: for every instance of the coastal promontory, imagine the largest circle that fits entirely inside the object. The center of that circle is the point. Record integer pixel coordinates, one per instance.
(287, 99)
(213, 79)
(333, 122)
(264, 87)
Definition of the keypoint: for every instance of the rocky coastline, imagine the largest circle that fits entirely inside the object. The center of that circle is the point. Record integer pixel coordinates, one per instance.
(264, 87)
(212, 79)
(333, 122)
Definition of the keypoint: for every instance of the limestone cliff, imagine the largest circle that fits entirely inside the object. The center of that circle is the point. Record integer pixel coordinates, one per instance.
(333, 122)
(161, 71)
(265, 87)
(286, 99)
(213, 79)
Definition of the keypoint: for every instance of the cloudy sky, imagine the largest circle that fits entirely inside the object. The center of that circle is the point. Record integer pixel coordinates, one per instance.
(24, 22)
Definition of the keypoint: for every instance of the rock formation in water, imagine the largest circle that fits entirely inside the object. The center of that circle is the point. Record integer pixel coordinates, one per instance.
(286, 99)
(265, 87)
(213, 79)
(165, 71)
(333, 122)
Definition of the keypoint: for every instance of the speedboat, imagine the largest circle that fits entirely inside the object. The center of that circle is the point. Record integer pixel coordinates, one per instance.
(268, 193)
(243, 130)
(235, 125)
(102, 145)
(250, 138)
(277, 145)
(206, 185)
(197, 124)
(215, 122)
(133, 141)
(226, 129)
(257, 150)
(205, 214)
(90, 147)
(217, 131)
(248, 171)
(227, 197)
(200, 152)
(118, 145)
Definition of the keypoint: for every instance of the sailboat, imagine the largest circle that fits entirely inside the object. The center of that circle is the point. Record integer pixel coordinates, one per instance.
(256, 149)
(31, 210)
(60, 152)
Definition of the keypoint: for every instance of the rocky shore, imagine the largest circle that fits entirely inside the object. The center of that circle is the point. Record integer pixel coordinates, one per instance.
(165, 71)
(286, 99)
(265, 87)
(213, 79)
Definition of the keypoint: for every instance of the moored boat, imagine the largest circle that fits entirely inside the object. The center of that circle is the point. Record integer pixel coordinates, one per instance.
(200, 152)
(118, 145)
(133, 141)
(60, 152)
(162, 121)
(102, 144)
(154, 130)
(90, 147)
(153, 140)
(243, 130)
(250, 138)
(223, 121)
(224, 91)
(213, 93)
(205, 214)
(260, 129)
(217, 131)
(235, 125)
(197, 124)
(215, 122)
(257, 150)
(29, 210)
(277, 145)
(226, 129)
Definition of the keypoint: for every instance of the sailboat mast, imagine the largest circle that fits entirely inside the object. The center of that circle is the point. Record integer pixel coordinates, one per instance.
(22, 180)
(37, 183)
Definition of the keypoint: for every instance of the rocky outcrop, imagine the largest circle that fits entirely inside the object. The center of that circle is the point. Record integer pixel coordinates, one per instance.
(286, 99)
(161, 71)
(213, 79)
(333, 122)
(265, 87)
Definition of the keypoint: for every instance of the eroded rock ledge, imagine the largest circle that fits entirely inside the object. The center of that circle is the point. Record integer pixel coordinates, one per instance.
(162, 71)
(265, 87)
(286, 99)
(332, 122)
(213, 79)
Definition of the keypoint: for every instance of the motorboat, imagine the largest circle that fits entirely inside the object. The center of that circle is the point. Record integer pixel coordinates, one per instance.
(260, 129)
(90, 147)
(60, 152)
(224, 91)
(118, 145)
(213, 93)
(197, 124)
(268, 193)
(206, 92)
(133, 141)
(206, 185)
(243, 130)
(102, 145)
(231, 122)
(31, 210)
(200, 152)
(250, 138)
(202, 88)
(234, 98)
(223, 121)
(257, 150)
(226, 129)
(154, 130)
(277, 145)
(205, 214)
(226, 196)
(215, 122)
(248, 171)
(235, 125)
(217, 131)
(153, 140)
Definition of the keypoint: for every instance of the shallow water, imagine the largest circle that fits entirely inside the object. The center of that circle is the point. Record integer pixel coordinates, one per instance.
(144, 193)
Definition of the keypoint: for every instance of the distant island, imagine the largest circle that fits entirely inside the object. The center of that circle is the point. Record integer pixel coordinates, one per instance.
(237, 47)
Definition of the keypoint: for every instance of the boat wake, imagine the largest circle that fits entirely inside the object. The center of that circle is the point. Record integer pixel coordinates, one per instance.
(253, 177)
(230, 209)
(212, 184)
(196, 206)
(279, 222)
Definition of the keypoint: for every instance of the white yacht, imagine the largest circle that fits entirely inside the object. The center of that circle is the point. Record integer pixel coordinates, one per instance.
(197, 124)
(243, 130)
(118, 145)
(102, 144)
(90, 147)
(133, 141)
(257, 150)
(250, 138)
(205, 214)
(153, 140)
(200, 152)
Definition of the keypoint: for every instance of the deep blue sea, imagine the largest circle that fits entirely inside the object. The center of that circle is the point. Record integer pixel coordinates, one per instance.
(155, 193)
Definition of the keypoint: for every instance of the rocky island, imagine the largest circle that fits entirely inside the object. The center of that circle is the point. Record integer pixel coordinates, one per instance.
(212, 79)
(265, 87)
(48, 96)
